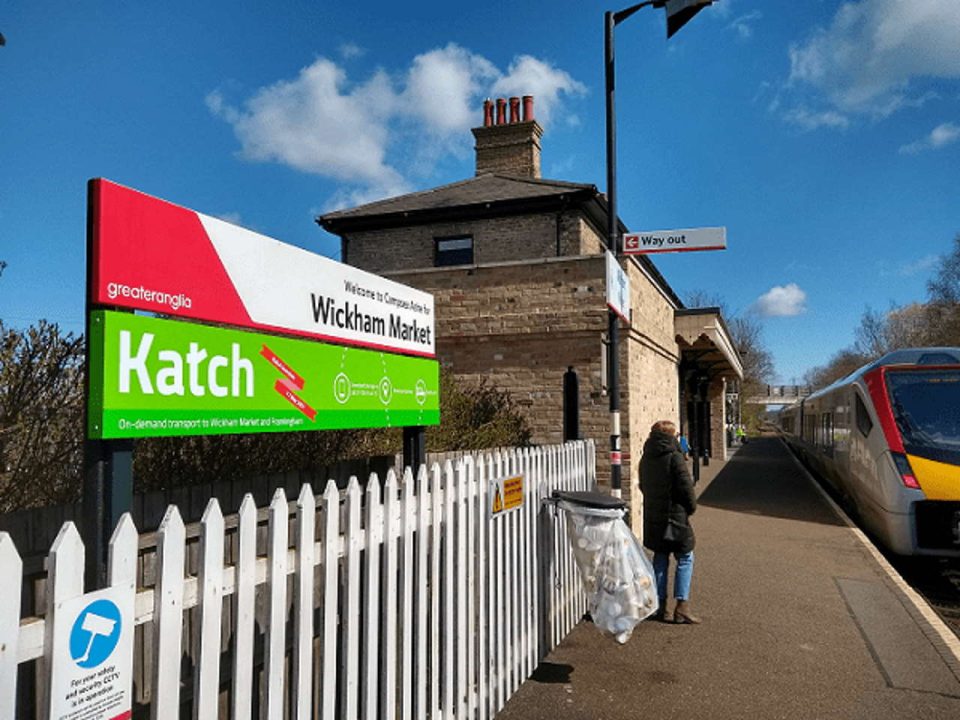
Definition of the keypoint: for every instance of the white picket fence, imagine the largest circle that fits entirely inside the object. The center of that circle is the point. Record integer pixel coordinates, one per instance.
(404, 601)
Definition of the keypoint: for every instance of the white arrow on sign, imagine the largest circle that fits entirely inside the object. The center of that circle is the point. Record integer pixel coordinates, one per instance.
(661, 241)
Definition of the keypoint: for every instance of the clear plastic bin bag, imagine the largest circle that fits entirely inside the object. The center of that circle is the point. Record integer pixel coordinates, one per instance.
(616, 572)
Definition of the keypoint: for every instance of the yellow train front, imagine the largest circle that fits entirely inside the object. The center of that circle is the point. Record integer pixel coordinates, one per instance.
(887, 438)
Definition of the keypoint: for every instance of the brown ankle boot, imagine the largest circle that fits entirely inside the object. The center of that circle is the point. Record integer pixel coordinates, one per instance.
(661, 615)
(682, 614)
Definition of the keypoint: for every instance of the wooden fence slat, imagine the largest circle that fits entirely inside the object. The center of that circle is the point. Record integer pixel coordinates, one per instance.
(448, 667)
(470, 562)
(330, 600)
(408, 510)
(168, 616)
(351, 619)
(370, 673)
(423, 598)
(462, 592)
(210, 611)
(243, 610)
(64, 581)
(388, 643)
(483, 597)
(436, 515)
(278, 541)
(303, 605)
(11, 570)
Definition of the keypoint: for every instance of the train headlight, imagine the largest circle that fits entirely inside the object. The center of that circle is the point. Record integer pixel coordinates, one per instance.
(906, 472)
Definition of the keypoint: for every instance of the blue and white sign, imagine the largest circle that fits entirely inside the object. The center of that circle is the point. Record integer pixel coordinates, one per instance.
(95, 633)
(618, 288)
(91, 674)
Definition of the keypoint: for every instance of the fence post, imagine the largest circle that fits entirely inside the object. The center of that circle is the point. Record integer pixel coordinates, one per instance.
(210, 610)
(274, 643)
(331, 574)
(11, 570)
(243, 610)
(302, 685)
(351, 619)
(168, 616)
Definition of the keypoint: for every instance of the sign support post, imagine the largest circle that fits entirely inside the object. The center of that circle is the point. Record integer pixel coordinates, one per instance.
(107, 464)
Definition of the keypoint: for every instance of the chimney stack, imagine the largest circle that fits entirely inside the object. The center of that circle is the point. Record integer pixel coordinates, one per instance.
(509, 144)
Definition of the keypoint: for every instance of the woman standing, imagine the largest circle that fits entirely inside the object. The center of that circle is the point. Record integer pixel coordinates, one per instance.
(668, 502)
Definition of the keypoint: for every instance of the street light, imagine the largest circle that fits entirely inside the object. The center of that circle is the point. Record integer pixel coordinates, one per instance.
(679, 13)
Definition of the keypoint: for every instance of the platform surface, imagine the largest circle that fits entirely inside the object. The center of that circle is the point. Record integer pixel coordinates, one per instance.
(800, 620)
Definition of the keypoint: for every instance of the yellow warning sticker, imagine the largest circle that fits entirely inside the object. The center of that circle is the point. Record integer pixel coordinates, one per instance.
(507, 494)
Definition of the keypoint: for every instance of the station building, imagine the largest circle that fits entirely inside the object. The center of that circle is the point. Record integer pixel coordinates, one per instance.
(517, 266)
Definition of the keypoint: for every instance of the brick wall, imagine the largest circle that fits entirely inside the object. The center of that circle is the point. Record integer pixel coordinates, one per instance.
(495, 240)
(521, 325)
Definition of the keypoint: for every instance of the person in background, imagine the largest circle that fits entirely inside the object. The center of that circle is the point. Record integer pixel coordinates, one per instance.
(684, 446)
(668, 503)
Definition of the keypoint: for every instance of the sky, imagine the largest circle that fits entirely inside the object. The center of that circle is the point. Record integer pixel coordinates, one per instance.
(824, 135)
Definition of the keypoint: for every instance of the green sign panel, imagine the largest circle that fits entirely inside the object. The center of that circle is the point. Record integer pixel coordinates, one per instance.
(151, 377)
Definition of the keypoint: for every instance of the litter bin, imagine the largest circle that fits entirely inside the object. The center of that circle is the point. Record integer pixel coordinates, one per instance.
(616, 572)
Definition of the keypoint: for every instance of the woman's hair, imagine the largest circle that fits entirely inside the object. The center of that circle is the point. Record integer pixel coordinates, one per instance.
(667, 427)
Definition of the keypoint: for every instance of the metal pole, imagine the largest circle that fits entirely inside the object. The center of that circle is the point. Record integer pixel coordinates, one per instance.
(613, 244)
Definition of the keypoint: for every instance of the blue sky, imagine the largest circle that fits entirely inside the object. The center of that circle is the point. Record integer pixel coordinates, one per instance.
(824, 135)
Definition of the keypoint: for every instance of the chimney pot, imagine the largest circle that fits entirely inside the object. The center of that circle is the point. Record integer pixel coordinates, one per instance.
(501, 111)
(514, 110)
(487, 112)
(528, 108)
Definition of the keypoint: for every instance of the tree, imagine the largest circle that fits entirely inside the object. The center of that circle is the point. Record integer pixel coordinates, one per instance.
(746, 332)
(41, 415)
(944, 294)
(42, 434)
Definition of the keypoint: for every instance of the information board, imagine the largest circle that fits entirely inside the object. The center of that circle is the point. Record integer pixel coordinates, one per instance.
(149, 254)
(154, 377)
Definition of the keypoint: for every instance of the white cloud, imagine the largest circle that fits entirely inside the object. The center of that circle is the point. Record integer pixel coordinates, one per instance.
(348, 51)
(743, 25)
(781, 301)
(361, 133)
(941, 136)
(874, 52)
(809, 120)
(529, 76)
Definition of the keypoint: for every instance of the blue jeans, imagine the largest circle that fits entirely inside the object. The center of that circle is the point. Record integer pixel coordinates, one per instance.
(682, 578)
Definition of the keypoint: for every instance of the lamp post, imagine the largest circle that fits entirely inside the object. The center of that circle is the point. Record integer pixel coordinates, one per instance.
(679, 13)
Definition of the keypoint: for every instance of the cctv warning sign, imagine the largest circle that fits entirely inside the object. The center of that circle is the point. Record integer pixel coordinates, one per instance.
(92, 656)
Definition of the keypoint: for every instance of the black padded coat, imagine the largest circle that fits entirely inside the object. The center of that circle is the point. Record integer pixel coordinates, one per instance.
(667, 494)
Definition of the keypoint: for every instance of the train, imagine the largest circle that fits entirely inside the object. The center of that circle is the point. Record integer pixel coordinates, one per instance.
(886, 438)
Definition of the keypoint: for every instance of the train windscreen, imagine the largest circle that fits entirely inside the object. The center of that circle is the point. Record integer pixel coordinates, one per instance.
(926, 407)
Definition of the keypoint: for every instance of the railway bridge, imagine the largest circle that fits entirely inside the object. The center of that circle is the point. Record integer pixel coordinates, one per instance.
(779, 395)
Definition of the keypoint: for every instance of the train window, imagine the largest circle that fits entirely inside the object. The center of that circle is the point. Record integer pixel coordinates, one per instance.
(864, 423)
(826, 431)
(926, 408)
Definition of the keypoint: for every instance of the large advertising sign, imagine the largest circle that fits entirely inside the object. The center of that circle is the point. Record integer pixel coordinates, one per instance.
(153, 377)
(148, 254)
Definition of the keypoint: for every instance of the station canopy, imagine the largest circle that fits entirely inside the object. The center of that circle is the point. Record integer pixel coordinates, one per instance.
(706, 344)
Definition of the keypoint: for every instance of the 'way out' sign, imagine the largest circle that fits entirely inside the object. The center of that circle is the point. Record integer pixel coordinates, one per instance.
(661, 241)
(92, 659)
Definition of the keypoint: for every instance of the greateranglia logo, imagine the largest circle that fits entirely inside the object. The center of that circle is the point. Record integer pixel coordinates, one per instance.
(139, 292)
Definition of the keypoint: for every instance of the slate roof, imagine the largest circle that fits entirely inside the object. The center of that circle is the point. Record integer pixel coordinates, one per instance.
(482, 189)
(487, 195)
